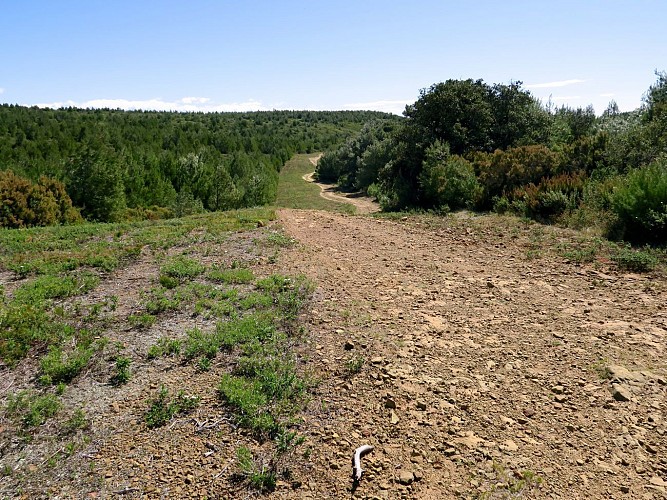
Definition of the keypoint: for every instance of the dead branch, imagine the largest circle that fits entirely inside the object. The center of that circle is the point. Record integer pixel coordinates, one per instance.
(356, 461)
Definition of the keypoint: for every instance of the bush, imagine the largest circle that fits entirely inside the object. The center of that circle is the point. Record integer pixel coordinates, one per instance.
(640, 203)
(25, 204)
(550, 198)
(504, 171)
(447, 180)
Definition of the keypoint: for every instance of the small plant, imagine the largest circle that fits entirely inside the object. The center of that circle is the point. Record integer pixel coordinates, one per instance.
(634, 260)
(354, 364)
(163, 408)
(77, 421)
(122, 374)
(204, 364)
(142, 321)
(235, 275)
(58, 366)
(279, 240)
(32, 409)
(263, 479)
(164, 347)
(287, 441)
(182, 268)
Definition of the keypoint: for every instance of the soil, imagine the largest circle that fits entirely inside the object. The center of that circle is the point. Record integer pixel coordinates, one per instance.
(474, 358)
(362, 203)
(489, 369)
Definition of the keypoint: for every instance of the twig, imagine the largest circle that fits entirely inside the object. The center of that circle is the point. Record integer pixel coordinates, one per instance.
(356, 461)
(126, 490)
(52, 455)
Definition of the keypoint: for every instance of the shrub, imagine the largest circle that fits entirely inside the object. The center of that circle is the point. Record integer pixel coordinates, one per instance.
(550, 198)
(503, 171)
(641, 204)
(25, 204)
(447, 180)
(634, 260)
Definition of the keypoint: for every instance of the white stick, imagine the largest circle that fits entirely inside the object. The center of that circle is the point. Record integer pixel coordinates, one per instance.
(358, 453)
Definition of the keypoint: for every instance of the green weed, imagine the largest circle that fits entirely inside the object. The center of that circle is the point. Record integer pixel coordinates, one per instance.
(163, 408)
(261, 478)
(122, 371)
(231, 276)
(182, 268)
(32, 409)
(634, 260)
(59, 366)
(164, 347)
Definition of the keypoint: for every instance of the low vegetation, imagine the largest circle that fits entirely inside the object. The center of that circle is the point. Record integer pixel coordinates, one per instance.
(467, 144)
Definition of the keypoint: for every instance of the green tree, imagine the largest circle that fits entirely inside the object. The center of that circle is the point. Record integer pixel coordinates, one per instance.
(447, 180)
(95, 181)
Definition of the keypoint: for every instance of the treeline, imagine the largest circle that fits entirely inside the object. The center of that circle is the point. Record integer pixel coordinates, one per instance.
(467, 144)
(116, 164)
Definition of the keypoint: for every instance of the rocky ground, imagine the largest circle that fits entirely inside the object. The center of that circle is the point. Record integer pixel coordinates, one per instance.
(476, 360)
(492, 366)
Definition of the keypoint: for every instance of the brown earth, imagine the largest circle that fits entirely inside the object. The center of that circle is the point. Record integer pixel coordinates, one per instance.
(363, 204)
(491, 369)
(477, 361)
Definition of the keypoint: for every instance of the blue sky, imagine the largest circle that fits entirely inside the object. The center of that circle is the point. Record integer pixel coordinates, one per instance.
(338, 54)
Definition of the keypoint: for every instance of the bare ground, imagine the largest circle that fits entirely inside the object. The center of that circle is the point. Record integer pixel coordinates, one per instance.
(477, 361)
(363, 204)
(491, 369)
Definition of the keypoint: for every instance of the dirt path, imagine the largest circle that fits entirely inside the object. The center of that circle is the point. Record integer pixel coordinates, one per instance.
(363, 204)
(489, 370)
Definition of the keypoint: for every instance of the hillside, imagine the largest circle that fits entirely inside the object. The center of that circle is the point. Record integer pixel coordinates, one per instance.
(222, 355)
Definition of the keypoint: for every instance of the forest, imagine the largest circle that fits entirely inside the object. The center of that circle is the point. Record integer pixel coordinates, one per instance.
(465, 144)
(59, 166)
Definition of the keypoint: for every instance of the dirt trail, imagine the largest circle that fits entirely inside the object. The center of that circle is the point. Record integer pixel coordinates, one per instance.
(487, 371)
(363, 204)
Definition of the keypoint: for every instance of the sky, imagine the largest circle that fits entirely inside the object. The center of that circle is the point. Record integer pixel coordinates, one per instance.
(244, 55)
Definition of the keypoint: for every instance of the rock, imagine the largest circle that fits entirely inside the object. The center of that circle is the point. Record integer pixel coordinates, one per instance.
(377, 360)
(406, 478)
(421, 405)
(558, 389)
(394, 417)
(390, 404)
(621, 392)
(419, 475)
(658, 481)
(349, 345)
(509, 446)
(560, 398)
(622, 374)
(625, 489)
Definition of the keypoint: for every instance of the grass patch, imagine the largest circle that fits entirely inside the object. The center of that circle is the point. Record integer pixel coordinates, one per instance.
(262, 478)
(32, 409)
(164, 347)
(295, 192)
(164, 407)
(234, 275)
(641, 261)
(59, 366)
(182, 267)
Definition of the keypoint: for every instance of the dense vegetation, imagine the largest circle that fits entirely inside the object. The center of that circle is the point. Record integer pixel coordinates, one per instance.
(467, 144)
(117, 165)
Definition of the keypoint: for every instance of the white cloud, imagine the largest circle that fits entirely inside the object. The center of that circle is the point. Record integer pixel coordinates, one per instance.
(388, 106)
(608, 94)
(566, 97)
(202, 104)
(195, 100)
(562, 83)
(2, 91)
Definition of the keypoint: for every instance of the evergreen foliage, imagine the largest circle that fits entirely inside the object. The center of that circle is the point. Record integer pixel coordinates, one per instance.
(464, 143)
(116, 164)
